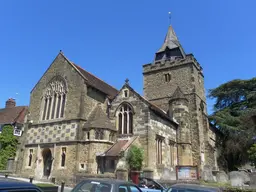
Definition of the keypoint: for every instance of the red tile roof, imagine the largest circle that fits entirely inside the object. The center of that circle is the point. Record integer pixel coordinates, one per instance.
(116, 148)
(98, 83)
(12, 115)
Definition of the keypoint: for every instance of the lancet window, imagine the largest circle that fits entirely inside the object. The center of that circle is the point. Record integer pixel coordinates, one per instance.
(54, 100)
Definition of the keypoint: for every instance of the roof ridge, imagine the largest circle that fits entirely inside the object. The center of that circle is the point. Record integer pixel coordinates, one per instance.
(94, 76)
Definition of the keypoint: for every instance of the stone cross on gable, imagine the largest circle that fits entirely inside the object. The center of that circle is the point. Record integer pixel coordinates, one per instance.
(126, 81)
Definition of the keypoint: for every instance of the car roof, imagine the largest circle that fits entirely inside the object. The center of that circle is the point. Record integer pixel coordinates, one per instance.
(11, 183)
(194, 186)
(108, 181)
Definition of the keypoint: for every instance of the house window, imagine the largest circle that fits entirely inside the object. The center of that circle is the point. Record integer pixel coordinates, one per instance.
(167, 77)
(99, 134)
(30, 157)
(54, 100)
(125, 119)
(63, 156)
(88, 135)
(159, 147)
(17, 132)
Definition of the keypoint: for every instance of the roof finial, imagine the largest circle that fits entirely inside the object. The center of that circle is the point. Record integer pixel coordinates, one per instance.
(170, 18)
(126, 81)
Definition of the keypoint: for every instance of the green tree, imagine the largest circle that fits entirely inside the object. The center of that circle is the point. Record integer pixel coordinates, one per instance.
(8, 145)
(234, 115)
(135, 158)
(252, 154)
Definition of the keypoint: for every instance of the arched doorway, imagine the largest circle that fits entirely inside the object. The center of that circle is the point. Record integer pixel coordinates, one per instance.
(47, 159)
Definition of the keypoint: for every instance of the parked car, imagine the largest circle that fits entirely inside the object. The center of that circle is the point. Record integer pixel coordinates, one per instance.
(192, 188)
(148, 183)
(11, 185)
(108, 185)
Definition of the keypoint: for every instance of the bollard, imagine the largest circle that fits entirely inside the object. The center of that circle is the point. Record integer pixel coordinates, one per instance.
(31, 179)
(6, 175)
(62, 186)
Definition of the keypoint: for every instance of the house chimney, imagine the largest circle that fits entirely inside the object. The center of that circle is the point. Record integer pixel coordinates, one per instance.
(10, 103)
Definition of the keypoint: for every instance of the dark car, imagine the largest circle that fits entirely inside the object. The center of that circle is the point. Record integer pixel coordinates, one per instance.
(106, 185)
(11, 185)
(192, 188)
(149, 183)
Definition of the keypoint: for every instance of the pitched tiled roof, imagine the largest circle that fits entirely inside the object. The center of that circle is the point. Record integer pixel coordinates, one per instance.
(12, 115)
(98, 119)
(116, 148)
(120, 145)
(98, 83)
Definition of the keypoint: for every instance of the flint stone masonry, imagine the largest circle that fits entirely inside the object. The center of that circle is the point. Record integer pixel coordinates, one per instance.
(51, 133)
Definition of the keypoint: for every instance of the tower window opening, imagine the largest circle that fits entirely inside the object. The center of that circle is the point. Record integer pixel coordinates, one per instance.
(167, 77)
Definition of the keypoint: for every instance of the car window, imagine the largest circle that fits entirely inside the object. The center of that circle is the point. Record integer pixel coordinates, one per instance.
(93, 187)
(134, 189)
(123, 188)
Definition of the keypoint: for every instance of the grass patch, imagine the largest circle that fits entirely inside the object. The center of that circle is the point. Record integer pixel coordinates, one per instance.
(44, 185)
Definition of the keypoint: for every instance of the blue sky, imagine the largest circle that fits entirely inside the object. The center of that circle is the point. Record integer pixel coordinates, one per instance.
(114, 38)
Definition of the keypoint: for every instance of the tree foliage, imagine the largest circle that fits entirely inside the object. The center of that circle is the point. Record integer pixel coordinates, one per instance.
(8, 145)
(135, 158)
(234, 115)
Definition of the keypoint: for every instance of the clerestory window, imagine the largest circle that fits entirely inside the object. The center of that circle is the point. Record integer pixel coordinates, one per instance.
(54, 100)
(125, 119)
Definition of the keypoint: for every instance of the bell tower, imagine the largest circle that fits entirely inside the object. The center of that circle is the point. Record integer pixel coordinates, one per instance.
(173, 68)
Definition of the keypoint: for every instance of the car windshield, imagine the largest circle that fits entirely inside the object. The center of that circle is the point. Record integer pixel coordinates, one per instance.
(92, 186)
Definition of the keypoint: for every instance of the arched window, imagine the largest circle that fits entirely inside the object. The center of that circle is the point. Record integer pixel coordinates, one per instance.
(125, 119)
(54, 99)
(99, 134)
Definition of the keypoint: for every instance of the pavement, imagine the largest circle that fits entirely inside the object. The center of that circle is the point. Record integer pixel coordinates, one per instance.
(66, 189)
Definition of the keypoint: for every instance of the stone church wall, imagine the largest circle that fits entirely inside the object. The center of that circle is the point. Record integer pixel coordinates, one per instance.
(154, 81)
(141, 111)
(74, 81)
(165, 129)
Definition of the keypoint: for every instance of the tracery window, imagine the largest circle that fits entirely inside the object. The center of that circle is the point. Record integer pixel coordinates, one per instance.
(54, 100)
(125, 119)
(99, 134)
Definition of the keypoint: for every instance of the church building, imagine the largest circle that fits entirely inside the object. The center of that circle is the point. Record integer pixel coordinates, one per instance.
(79, 123)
